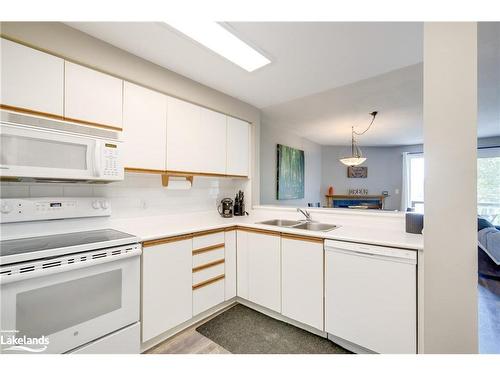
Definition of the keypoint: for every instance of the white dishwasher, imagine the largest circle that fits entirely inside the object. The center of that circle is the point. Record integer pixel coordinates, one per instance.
(371, 296)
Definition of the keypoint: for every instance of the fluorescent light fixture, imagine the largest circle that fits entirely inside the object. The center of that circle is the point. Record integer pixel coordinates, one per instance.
(217, 38)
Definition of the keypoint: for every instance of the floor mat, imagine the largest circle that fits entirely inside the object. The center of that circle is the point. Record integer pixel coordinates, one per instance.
(242, 330)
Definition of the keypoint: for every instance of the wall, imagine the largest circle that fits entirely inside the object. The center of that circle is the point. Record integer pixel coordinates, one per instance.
(74, 45)
(138, 195)
(269, 138)
(384, 171)
(450, 323)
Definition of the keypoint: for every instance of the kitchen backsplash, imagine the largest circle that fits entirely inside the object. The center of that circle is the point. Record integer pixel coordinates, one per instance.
(137, 195)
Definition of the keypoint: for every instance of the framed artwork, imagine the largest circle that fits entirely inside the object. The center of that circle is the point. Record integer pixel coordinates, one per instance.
(357, 172)
(290, 173)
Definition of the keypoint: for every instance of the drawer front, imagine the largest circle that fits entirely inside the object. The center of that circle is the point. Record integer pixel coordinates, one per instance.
(207, 240)
(208, 296)
(208, 273)
(208, 257)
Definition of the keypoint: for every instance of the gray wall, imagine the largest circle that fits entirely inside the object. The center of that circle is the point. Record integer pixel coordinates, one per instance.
(384, 171)
(269, 138)
(324, 169)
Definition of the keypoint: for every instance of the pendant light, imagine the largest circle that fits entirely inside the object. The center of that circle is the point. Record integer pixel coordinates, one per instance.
(356, 157)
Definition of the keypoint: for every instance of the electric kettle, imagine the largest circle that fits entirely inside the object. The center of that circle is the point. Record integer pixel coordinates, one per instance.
(225, 207)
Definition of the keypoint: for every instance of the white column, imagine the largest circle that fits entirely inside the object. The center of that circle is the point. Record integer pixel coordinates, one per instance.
(450, 139)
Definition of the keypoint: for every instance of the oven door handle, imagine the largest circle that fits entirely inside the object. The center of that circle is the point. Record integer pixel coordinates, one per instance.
(7, 279)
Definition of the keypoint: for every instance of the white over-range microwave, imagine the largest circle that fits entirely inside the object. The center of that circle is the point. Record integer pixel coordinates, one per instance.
(38, 149)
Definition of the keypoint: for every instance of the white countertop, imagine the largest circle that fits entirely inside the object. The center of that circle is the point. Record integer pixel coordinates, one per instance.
(385, 230)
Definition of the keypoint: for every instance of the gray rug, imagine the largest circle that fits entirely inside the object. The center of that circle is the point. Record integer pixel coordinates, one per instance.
(242, 330)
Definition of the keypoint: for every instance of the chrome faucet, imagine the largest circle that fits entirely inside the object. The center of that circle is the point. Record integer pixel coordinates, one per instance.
(306, 214)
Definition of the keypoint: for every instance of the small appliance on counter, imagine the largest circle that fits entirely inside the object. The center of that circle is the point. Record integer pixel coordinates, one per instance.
(239, 204)
(225, 207)
(414, 222)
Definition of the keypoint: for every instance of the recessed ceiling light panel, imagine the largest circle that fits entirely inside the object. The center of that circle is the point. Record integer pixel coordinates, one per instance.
(217, 38)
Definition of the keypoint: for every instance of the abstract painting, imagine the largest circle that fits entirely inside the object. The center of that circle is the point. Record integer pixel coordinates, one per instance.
(290, 173)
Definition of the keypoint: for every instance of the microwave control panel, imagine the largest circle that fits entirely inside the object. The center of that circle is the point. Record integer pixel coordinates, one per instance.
(112, 166)
(34, 209)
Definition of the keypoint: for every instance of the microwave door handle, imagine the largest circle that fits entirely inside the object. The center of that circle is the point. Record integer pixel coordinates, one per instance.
(98, 158)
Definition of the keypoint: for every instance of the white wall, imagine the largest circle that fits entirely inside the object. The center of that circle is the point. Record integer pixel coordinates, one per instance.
(138, 195)
(269, 138)
(74, 45)
(450, 241)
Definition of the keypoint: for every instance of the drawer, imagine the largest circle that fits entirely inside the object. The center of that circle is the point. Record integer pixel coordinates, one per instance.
(208, 273)
(207, 240)
(208, 256)
(208, 296)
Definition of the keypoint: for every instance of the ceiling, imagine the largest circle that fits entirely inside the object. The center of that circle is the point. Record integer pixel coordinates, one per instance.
(324, 77)
(307, 57)
(326, 118)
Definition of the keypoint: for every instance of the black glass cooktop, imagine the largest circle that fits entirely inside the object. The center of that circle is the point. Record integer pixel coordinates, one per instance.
(57, 241)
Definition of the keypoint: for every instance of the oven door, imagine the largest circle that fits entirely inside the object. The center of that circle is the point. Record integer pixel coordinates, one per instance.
(54, 309)
(34, 153)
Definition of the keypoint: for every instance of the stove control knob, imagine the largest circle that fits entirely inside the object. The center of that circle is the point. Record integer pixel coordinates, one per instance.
(6, 208)
(96, 204)
(104, 205)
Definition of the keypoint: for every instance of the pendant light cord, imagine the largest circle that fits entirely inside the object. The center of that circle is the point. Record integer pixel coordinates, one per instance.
(374, 114)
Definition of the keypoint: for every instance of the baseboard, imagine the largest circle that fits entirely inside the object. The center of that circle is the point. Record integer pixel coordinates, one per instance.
(349, 345)
(206, 315)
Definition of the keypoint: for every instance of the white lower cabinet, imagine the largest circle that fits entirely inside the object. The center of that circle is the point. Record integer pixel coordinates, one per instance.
(259, 268)
(230, 264)
(208, 296)
(302, 280)
(166, 287)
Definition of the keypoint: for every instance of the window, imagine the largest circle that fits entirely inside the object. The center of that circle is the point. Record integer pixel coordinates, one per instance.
(413, 186)
(488, 184)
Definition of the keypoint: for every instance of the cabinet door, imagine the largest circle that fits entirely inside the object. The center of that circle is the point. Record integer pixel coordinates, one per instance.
(31, 79)
(144, 128)
(302, 281)
(92, 96)
(166, 287)
(264, 259)
(242, 264)
(230, 264)
(196, 138)
(212, 149)
(183, 136)
(238, 146)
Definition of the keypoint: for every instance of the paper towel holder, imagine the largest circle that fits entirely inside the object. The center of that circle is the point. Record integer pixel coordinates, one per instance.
(166, 177)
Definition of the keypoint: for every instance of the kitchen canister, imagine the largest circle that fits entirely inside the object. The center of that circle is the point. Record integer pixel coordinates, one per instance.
(414, 222)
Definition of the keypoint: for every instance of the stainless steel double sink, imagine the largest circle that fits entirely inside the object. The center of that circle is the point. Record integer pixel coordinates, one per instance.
(307, 225)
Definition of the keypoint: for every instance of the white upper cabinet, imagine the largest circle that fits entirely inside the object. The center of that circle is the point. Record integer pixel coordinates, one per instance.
(302, 281)
(183, 121)
(213, 147)
(238, 139)
(195, 138)
(31, 79)
(92, 96)
(144, 128)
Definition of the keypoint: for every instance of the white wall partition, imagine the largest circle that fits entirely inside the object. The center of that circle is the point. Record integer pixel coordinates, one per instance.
(450, 132)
